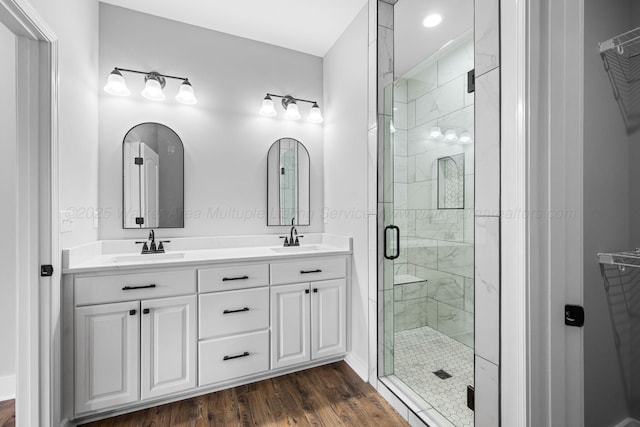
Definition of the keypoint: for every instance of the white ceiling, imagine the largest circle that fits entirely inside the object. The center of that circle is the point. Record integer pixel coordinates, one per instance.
(413, 42)
(310, 26)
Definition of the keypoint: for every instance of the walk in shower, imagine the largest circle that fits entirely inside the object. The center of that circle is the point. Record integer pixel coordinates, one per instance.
(428, 281)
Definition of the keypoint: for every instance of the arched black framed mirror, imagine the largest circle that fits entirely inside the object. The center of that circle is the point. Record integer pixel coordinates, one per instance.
(288, 176)
(152, 177)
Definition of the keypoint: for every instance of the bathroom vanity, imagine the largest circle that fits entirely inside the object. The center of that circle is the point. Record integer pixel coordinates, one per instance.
(210, 313)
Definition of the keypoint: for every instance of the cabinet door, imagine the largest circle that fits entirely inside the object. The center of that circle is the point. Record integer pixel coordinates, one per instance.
(290, 325)
(169, 341)
(328, 318)
(107, 355)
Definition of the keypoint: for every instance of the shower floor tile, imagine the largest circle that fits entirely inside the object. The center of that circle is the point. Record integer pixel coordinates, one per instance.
(422, 351)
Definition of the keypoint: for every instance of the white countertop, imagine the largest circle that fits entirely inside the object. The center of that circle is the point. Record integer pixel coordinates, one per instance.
(124, 255)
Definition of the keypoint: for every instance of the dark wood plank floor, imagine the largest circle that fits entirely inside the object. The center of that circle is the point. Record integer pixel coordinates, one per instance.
(330, 396)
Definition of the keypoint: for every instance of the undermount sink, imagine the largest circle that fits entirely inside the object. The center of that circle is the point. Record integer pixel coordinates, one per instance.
(290, 249)
(148, 257)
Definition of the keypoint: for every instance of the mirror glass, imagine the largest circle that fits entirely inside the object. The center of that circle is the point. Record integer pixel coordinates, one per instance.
(288, 183)
(152, 177)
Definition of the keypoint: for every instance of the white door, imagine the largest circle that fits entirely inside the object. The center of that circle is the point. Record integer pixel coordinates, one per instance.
(131, 188)
(169, 340)
(328, 318)
(107, 355)
(290, 325)
(149, 186)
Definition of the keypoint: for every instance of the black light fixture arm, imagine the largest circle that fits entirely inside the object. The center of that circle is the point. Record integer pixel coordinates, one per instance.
(146, 73)
(289, 98)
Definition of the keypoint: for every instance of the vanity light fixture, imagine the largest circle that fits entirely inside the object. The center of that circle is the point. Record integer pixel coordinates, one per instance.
(154, 84)
(435, 133)
(290, 104)
(450, 135)
(465, 138)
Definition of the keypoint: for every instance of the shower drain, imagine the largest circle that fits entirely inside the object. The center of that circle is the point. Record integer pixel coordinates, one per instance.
(442, 374)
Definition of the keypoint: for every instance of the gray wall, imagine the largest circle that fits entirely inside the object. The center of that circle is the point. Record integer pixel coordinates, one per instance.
(75, 24)
(606, 211)
(225, 139)
(345, 148)
(8, 217)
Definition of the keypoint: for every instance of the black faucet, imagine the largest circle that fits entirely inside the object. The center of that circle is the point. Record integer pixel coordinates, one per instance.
(149, 245)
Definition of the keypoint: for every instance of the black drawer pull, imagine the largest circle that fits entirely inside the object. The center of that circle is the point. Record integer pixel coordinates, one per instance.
(131, 288)
(226, 279)
(245, 354)
(146, 311)
(306, 291)
(315, 290)
(310, 271)
(132, 312)
(235, 311)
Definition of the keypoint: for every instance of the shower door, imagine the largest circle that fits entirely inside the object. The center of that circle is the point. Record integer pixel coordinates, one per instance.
(428, 237)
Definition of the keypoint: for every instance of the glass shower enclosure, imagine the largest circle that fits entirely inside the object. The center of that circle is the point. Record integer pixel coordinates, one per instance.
(428, 281)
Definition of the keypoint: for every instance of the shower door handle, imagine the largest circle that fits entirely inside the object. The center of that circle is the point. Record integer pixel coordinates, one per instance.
(397, 248)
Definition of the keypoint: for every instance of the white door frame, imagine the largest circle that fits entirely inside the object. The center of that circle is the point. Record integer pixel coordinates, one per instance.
(541, 166)
(37, 212)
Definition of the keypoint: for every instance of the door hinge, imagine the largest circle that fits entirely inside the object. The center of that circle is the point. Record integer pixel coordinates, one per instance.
(46, 270)
(138, 160)
(139, 220)
(471, 397)
(573, 315)
(471, 81)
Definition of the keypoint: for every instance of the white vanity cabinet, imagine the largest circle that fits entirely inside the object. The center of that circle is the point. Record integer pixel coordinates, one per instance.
(140, 336)
(309, 319)
(138, 349)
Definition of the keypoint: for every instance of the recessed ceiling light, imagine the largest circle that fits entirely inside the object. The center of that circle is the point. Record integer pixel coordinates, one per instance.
(432, 20)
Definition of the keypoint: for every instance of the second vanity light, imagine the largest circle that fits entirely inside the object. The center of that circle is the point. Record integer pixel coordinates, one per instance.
(290, 104)
(153, 86)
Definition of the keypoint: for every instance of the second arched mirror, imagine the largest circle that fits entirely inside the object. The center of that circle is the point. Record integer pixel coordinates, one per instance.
(288, 169)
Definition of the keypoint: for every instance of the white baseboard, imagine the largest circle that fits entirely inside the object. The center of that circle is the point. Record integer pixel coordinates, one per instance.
(358, 366)
(628, 422)
(7, 388)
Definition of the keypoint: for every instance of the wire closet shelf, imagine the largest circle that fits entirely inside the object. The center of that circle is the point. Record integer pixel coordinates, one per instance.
(621, 58)
(621, 276)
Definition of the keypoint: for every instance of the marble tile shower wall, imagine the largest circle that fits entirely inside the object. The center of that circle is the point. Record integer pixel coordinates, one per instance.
(434, 275)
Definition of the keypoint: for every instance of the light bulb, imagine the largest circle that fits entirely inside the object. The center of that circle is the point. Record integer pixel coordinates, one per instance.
(432, 20)
(315, 116)
(267, 109)
(153, 89)
(465, 138)
(116, 84)
(292, 111)
(435, 133)
(185, 94)
(450, 136)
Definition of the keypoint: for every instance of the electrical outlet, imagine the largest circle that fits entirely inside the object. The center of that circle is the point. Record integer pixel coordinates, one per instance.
(66, 223)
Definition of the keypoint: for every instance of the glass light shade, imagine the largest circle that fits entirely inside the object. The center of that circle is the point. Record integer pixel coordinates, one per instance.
(292, 111)
(465, 138)
(450, 136)
(432, 20)
(153, 90)
(435, 133)
(268, 109)
(185, 94)
(315, 116)
(116, 85)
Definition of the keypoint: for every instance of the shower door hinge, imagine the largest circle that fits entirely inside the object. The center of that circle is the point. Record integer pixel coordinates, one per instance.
(573, 315)
(471, 81)
(471, 397)
(138, 161)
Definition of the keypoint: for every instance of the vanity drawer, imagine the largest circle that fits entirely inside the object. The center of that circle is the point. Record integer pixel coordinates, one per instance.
(226, 278)
(129, 287)
(233, 357)
(233, 312)
(308, 271)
